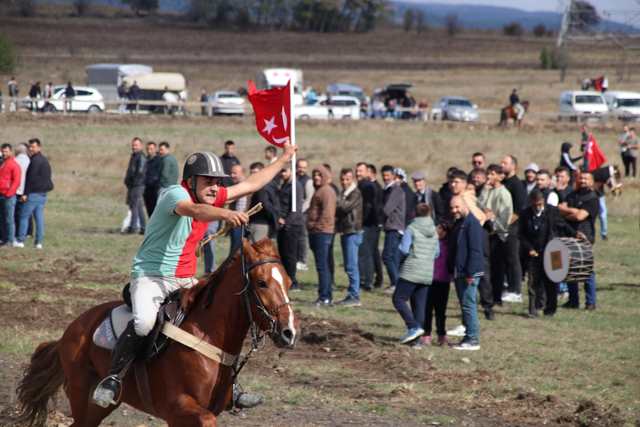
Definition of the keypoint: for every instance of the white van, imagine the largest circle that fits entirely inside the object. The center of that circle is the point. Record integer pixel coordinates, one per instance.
(576, 105)
(624, 105)
(279, 77)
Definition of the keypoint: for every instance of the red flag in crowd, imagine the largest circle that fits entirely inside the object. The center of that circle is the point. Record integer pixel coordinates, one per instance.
(273, 112)
(594, 156)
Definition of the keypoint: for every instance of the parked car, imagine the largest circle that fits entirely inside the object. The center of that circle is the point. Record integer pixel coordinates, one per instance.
(455, 108)
(577, 105)
(347, 89)
(87, 99)
(333, 107)
(165, 87)
(624, 105)
(227, 102)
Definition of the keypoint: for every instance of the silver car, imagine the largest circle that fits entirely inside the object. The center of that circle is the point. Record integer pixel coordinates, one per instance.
(227, 102)
(456, 108)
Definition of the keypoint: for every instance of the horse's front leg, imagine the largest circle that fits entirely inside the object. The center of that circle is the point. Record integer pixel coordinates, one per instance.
(186, 412)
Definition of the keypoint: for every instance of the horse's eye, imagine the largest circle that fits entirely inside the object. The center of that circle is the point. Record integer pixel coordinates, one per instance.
(262, 284)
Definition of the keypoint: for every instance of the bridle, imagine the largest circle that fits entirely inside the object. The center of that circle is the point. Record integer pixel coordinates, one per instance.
(249, 293)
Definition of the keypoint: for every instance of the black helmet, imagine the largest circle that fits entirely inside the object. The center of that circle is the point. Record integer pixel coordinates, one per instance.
(204, 164)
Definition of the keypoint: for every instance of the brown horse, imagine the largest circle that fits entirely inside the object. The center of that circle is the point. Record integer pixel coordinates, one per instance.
(187, 388)
(510, 113)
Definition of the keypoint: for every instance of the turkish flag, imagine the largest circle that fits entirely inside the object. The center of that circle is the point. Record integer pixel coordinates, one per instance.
(272, 108)
(594, 156)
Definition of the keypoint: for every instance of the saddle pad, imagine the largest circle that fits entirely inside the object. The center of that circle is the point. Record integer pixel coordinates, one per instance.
(106, 335)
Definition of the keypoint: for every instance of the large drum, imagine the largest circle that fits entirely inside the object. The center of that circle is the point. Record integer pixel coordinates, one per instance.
(568, 260)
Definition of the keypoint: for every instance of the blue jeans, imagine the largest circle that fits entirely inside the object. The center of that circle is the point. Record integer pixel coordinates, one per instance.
(467, 294)
(319, 244)
(235, 239)
(391, 255)
(602, 201)
(589, 291)
(8, 226)
(350, 244)
(417, 294)
(210, 248)
(34, 205)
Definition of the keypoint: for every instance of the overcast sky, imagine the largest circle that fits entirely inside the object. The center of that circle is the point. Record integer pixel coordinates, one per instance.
(618, 10)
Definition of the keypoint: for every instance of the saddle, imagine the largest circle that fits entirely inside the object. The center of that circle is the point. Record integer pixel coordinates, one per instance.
(107, 334)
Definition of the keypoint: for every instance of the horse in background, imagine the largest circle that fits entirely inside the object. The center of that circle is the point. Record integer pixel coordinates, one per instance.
(510, 113)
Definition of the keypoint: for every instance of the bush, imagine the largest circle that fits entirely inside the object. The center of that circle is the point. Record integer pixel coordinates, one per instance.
(7, 56)
(545, 59)
(26, 8)
(513, 29)
(453, 25)
(540, 30)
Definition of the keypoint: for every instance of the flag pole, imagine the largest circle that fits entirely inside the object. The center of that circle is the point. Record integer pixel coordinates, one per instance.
(292, 119)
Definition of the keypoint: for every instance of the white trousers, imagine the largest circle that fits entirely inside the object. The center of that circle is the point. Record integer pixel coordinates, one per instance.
(519, 110)
(147, 293)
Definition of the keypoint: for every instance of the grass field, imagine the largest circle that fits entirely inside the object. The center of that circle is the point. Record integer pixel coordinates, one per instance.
(579, 368)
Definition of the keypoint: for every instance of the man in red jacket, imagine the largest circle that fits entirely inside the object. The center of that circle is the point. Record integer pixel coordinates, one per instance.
(9, 182)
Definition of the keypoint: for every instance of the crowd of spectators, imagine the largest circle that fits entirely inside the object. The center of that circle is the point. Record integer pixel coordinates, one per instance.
(484, 229)
(25, 180)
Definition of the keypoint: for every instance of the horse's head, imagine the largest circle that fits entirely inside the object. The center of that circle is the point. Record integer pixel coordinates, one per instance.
(525, 105)
(268, 290)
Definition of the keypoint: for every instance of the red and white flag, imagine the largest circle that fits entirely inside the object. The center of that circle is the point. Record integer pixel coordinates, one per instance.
(594, 156)
(272, 108)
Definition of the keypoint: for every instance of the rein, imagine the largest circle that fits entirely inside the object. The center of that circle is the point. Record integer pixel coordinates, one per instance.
(247, 292)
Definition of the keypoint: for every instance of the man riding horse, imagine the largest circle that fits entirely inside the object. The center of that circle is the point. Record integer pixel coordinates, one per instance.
(166, 260)
(514, 101)
(515, 110)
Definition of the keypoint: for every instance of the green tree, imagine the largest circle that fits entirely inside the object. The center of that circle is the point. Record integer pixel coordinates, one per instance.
(140, 6)
(540, 30)
(513, 29)
(408, 19)
(545, 59)
(7, 55)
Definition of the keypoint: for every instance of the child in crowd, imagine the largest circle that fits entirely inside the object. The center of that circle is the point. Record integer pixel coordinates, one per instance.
(438, 294)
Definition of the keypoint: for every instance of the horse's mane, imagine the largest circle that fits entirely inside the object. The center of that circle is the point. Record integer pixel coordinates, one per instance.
(188, 297)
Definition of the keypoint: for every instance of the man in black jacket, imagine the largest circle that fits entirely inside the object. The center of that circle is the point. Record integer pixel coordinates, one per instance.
(37, 184)
(519, 201)
(370, 227)
(151, 177)
(540, 223)
(377, 258)
(134, 181)
(424, 194)
(291, 224)
(229, 160)
(264, 223)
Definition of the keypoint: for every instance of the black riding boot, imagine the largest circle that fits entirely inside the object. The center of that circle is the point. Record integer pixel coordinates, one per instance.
(127, 348)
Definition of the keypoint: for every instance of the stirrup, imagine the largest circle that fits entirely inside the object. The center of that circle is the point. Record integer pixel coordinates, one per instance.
(105, 395)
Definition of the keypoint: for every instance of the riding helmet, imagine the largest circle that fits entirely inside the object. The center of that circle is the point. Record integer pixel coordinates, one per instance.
(203, 163)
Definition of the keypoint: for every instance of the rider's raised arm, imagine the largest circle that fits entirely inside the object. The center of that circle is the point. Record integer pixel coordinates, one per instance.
(258, 180)
(201, 211)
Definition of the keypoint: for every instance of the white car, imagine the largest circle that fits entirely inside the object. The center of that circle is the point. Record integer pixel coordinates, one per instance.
(624, 105)
(334, 107)
(455, 108)
(227, 102)
(87, 99)
(576, 105)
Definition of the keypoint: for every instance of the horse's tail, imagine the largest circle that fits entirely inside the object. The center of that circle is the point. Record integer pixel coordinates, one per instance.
(40, 381)
(503, 116)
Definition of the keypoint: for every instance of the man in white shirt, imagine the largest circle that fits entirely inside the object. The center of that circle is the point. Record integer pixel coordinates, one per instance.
(543, 183)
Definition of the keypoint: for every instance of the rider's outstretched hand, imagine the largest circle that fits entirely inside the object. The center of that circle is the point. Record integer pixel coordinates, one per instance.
(236, 218)
(288, 151)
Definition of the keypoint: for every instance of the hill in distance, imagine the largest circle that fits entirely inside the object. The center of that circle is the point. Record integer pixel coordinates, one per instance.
(494, 17)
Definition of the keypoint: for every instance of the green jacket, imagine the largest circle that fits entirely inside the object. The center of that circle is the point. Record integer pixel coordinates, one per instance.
(168, 171)
(418, 265)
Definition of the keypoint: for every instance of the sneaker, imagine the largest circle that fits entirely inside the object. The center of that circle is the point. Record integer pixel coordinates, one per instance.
(511, 297)
(411, 335)
(443, 341)
(301, 266)
(389, 290)
(323, 302)
(459, 331)
(17, 244)
(244, 400)
(295, 288)
(468, 345)
(39, 246)
(350, 301)
(604, 237)
(590, 307)
(569, 305)
(489, 314)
